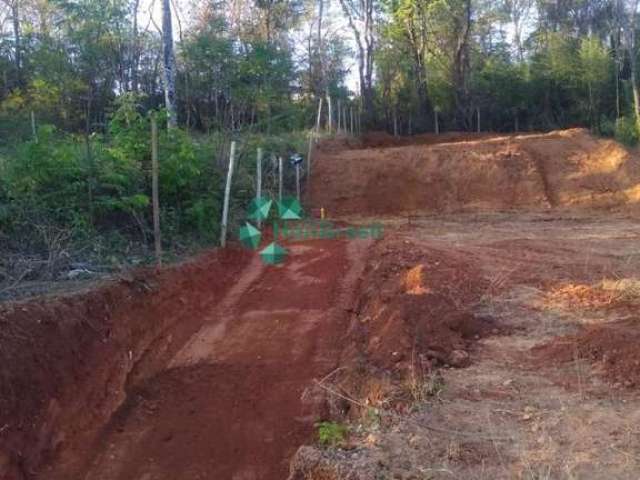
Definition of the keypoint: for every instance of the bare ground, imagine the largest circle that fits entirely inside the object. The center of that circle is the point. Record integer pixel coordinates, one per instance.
(462, 345)
(513, 413)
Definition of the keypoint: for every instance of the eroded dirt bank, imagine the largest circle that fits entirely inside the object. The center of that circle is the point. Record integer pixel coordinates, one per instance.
(67, 362)
(196, 373)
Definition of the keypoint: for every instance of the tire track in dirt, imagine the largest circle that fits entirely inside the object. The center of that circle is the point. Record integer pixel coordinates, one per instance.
(229, 404)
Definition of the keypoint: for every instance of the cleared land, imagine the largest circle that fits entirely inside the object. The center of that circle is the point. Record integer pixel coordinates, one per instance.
(492, 333)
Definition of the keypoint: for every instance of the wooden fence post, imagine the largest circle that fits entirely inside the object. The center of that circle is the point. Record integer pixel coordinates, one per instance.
(227, 195)
(319, 118)
(351, 120)
(280, 178)
(478, 111)
(298, 181)
(309, 153)
(155, 196)
(329, 113)
(259, 180)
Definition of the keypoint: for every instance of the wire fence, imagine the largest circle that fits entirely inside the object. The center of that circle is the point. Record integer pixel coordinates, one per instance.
(278, 174)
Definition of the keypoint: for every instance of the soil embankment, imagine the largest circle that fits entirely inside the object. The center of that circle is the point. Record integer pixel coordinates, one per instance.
(196, 372)
(383, 176)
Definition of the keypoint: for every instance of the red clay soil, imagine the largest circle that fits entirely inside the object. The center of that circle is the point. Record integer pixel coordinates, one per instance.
(384, 139)
(65, 362)
(196, 372)
(201, 371)
(563, 168)
(416, 307)
(614, 349)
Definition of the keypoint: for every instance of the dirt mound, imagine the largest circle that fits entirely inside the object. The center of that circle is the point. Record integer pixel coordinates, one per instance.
(614, 350)
(415, 307)
(611, 345)
(414, 314)
(65, 363)
(381, 139)
(229, 404)
(197, 371)
(563, 168)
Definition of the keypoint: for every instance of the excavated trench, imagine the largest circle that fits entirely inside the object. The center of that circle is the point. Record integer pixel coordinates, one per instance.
(206, 370)
(196, 372)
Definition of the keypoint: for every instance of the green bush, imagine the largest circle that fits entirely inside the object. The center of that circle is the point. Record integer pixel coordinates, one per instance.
(97, 189)
(627, 131)
(331, 434)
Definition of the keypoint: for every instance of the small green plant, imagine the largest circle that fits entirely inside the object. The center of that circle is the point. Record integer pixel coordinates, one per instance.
(331, 434)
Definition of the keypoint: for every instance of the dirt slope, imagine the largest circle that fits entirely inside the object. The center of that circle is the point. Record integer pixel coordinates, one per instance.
(563, 168)
(229, 405)
(194, 373)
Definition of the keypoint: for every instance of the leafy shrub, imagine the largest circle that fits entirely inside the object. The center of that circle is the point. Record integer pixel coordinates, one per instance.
(627, 131)
(331, 434)
(97, 189)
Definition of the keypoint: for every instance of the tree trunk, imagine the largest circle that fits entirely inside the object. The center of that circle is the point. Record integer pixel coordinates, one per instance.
(135, 60)
(169, 64)
(633, 66)
(17, 38)
(329, 114)
(461, 69)
(320, 51)
(636, 93)
(362, 12)
(617, 87)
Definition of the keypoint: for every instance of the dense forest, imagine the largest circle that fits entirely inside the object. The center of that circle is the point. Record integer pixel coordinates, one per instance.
(523, 64)
(80, 78)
